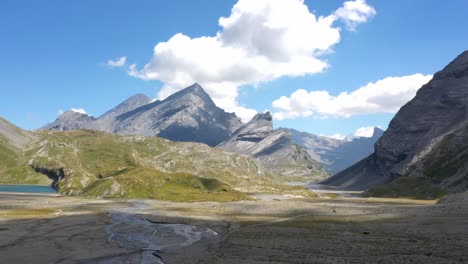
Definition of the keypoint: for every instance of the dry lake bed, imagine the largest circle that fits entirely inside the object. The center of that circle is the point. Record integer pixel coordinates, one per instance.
(43, 228)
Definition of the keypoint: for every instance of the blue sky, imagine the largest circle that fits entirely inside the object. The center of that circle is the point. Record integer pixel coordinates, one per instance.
(54, 54)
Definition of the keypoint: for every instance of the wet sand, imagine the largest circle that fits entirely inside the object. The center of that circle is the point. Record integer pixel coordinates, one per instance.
(47, 229)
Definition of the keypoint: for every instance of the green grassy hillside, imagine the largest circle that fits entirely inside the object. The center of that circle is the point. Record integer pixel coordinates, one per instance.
(14, 167)
(98, 164)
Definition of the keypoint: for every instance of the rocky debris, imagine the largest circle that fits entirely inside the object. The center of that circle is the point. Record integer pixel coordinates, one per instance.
(426, 139)
(274, 149)
(334, 154)
(69, 120)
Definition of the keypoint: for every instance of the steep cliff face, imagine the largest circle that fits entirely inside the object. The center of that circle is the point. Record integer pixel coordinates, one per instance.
(274, 149)
(426, 139)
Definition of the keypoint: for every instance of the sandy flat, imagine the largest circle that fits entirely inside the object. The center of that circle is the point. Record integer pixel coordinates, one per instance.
(47, 229)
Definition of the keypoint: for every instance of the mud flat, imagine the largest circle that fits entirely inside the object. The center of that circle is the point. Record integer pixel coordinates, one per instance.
(46, 229)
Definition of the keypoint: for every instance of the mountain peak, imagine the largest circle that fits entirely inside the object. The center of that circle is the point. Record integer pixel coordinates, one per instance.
(130, 104)
(193, 89)
(458, 68)
(138, 97)
(70, 120)
(263, 116)
(191, 92)
(378, 132)
(73, 112)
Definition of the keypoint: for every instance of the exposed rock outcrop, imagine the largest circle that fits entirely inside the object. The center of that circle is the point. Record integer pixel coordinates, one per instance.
(427, 139)
(69, 120)
(274, 149)
(188, 115)
(334, 154)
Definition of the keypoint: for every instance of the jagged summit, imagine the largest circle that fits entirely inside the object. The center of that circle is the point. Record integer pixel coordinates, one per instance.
(188, 115)
(194, 93)
(263, 116)
(256, 129)
(377, 132)
(70, 120)
(273, 148)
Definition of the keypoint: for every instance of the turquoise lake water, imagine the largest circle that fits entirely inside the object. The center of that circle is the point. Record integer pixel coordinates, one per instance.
(27, 189)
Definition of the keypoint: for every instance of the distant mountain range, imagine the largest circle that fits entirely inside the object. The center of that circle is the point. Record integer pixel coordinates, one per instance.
(274, 149)
(190, 115)
(336, 154)
(423, 154)
(425, 149)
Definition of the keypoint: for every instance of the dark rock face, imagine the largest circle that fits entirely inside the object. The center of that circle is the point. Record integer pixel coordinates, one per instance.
(70, 120)
(274, 149)
(336, 155)
(427, 138)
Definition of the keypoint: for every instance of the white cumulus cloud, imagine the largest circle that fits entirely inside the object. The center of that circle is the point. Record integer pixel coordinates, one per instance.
(76, 110)
(364, 132)
(354, 13)
(336, 136)
(79, 110)
(120, 62)
(383, 96)
(259, 41)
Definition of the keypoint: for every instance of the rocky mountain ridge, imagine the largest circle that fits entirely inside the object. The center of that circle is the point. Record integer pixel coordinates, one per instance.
(274, 149)
(186, 116)
(427, 141)
(334, 154)
(191, 116)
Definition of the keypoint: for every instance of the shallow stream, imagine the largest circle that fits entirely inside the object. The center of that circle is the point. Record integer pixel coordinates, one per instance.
(130, 230)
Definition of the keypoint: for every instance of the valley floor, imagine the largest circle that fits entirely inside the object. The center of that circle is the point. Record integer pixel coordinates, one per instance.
(51, 229)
